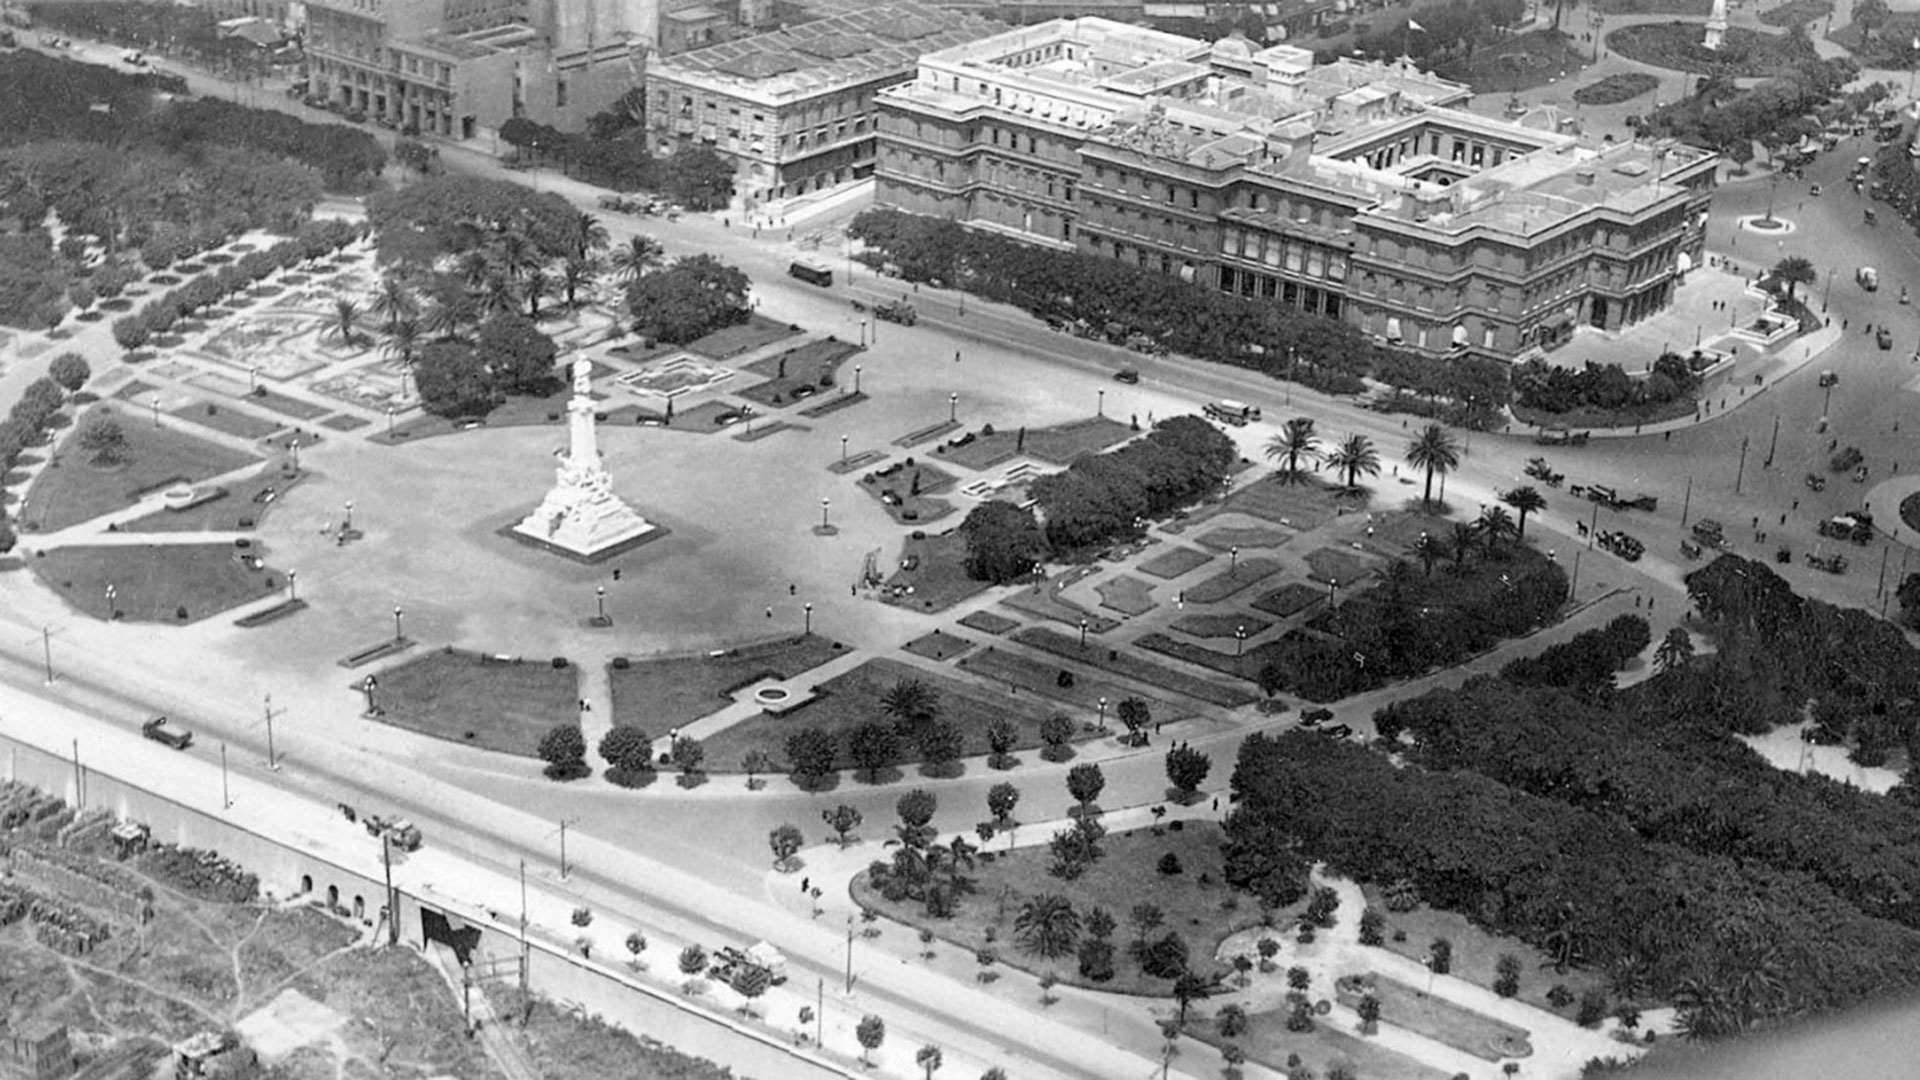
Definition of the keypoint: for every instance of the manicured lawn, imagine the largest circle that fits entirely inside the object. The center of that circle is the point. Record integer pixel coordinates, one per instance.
(938, 645)
(1338, 565)
(1615, 89)
(1477, 952)
(291, 406)
(1245, 665)
(466, 698)
(1046, 602)
(1219, 626)
(154, 583)
(848, 700)
(988, 623)
(1056, 445)
(1174, 561)
(743, 337)
(244, 499)
(1197, 904)
(1226, 539)
(669, 692)
(70, 490)
(1127, 595)
(245, 425)
(1132, 665)
(908, 490)
(1442, 1021)
(1230, 581)
(1290, 599)
(940, 581)
(1268, 1042)
(1677, 47)
(1031, 676)
(1302, 506)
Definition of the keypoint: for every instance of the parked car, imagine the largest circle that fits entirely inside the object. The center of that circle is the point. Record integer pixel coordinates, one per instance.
(1337, 731)
(1884, 336)
(1310, 717)
(1127, 375)
(167, 734)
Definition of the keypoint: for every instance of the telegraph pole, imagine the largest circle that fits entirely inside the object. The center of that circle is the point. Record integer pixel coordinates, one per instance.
(1687, 503)
(273, 760)
(1742, 474)
(1768, 464)
(393, 898)
(525, 952)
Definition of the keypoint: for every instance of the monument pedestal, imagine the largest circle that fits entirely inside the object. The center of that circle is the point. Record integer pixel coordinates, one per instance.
(581, 516)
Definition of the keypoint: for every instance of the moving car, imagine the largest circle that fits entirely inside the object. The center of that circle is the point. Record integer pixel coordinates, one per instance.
(1310, 717)
(896, 311)
(1127, 375)
(161, 732)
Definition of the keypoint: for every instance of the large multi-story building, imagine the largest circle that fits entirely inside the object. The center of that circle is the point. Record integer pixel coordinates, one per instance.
(1354, 190)
(461, 68)
(794, 109)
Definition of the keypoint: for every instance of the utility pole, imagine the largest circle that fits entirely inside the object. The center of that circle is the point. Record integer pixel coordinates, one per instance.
(820, 1011)
(226, 796)
(79, 792)
(46, 646)
(564, 822)
(525, 952)
(1686, 504)
(1742, 474)
(849, 954)
(393, 898)
(1768, 464)
(273, 759)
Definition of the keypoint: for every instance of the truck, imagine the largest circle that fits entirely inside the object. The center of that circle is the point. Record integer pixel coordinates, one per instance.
(404, 834)
(1710, 533)
(167, 734)
(896, 311)
(811, 272)
(729, 959)
(1237, 413)
(1857, 527)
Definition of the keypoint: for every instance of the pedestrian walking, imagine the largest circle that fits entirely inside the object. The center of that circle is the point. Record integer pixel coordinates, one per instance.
(791, 588)
(805, 884)
(769, 612)
(1216, 804)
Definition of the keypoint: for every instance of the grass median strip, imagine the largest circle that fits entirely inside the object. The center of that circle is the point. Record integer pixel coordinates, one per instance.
(1133, 666)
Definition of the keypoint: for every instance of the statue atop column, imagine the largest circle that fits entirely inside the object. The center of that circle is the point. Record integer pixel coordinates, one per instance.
(581, 515)
(1716, 25)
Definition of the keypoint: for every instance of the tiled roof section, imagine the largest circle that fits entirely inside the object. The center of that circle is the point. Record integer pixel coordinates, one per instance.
(840, 50)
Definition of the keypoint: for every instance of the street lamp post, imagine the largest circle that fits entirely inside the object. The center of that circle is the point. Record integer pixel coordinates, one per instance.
(863, 333)
(1333, 590)
(292, 576)
(953, 407)
(293, 445)
(1083, 633)
(1233, 560)
(825, 506)
(843, 451)
(368, 687)
(1103, 714)
(856, 378)
(397, 635)
(1101, 408)
(155, 403)
(273, 758)
(600, 602)
(389, 421)
(808, 609)
(111, 593)
(1240, 640)
(349, 522)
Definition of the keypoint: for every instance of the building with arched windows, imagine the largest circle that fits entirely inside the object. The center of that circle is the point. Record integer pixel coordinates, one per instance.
(1356, 190)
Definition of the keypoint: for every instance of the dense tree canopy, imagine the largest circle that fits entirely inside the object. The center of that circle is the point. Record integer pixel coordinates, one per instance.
(1103, 497)
(689, 299)
(1004, 542)
(450, 215)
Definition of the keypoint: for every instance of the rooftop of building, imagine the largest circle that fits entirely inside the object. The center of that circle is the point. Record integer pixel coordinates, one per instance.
(1533, 193)
(839, 50)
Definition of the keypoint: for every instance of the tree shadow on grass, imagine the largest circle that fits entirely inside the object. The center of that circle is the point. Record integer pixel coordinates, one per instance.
(886, 774)
(635, 779)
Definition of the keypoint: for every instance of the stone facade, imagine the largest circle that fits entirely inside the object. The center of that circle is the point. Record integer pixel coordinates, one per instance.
(1353, 190)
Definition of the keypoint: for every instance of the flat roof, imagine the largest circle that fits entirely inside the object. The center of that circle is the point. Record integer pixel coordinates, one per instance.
(839, 50)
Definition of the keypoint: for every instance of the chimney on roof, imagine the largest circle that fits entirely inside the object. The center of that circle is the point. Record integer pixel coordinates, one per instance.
(1585, 177)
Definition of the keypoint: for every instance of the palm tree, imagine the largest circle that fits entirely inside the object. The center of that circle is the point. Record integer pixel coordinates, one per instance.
(498, 293)
(1675, 650)
(1793, 271)
(448, 313)
(639, 256)
(1430, 549)
(515, 253)
(1047, 926)
(929, 1058)
(910, 702)
(1527, 500)
(1435, 452)
(393, 303)
(346, 313)
(474, 267)
(537, 285)
(578, 273)
(1465, 539)
(588, 235)
(403, 339)
(1295, 443)
(1496, 523)
(1353, 457)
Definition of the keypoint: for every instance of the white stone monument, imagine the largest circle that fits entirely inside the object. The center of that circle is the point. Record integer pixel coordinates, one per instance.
(581, 515)
(1716, 25)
